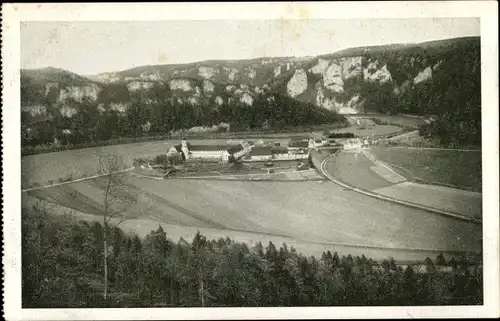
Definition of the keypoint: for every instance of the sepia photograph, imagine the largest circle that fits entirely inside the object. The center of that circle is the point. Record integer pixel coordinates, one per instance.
(263, 163)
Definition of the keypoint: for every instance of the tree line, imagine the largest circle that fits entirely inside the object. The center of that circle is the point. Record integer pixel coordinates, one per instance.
(63, 262)
(159, 111)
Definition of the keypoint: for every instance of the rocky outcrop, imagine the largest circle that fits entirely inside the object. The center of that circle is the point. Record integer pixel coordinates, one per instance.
(329, 101)
(351, 67)
(197, 91)
(326, 99)
(424, 75)
(207, 72)
(332, 78)
(67, 111)
(297, 84)
(252, 73)
(351, 107)
(180, 84)
(101, 109)
(218, 100)
(320, 67)
(146, 126)
(155, 76)
(374, 73)
(232, 74)
(139, 85)
(50, 86)
(321, 99)
(436, 66)
(151, 101)
(404, 87)
(119, 107)
(108, 77)
(208, 87)
(78, 93)
(277, 71)
(247, 99)
(343, 81)
(193, 100)
(35, 110)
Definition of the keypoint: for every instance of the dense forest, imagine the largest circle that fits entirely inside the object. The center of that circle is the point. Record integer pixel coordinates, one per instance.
(62, 266)
(453, 96)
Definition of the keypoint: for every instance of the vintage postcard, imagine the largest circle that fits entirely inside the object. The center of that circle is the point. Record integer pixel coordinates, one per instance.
(265, 160)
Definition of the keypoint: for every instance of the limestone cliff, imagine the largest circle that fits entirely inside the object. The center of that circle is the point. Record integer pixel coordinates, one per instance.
(297, 84)
(407, 79)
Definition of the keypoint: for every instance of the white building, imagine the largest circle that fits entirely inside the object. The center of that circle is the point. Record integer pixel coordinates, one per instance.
(220, 153)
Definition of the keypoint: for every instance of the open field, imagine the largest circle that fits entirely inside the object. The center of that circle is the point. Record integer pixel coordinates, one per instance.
(362, 170)
(449, 199)
(459, 169)
(372, 131)
(307, 212)
(356, 170)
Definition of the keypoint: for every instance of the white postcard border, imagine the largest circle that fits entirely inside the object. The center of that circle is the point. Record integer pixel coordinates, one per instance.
(12, 14)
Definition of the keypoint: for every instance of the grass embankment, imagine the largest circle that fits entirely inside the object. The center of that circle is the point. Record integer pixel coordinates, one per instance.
(452, 168)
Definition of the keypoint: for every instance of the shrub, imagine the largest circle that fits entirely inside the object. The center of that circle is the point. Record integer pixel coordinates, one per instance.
(161, 159)
(341, 135)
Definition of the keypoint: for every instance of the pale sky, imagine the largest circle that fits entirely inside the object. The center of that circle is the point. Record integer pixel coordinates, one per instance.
(96, 47)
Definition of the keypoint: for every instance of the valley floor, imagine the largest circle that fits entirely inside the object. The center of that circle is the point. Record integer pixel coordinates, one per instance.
(313, 216)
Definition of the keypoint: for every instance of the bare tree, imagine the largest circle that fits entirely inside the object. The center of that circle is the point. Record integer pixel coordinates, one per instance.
(117, 203)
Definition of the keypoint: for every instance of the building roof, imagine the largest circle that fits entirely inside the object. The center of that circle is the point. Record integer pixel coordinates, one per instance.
(207, 148)
(299, 143)
(279, 150)
(260, 151)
